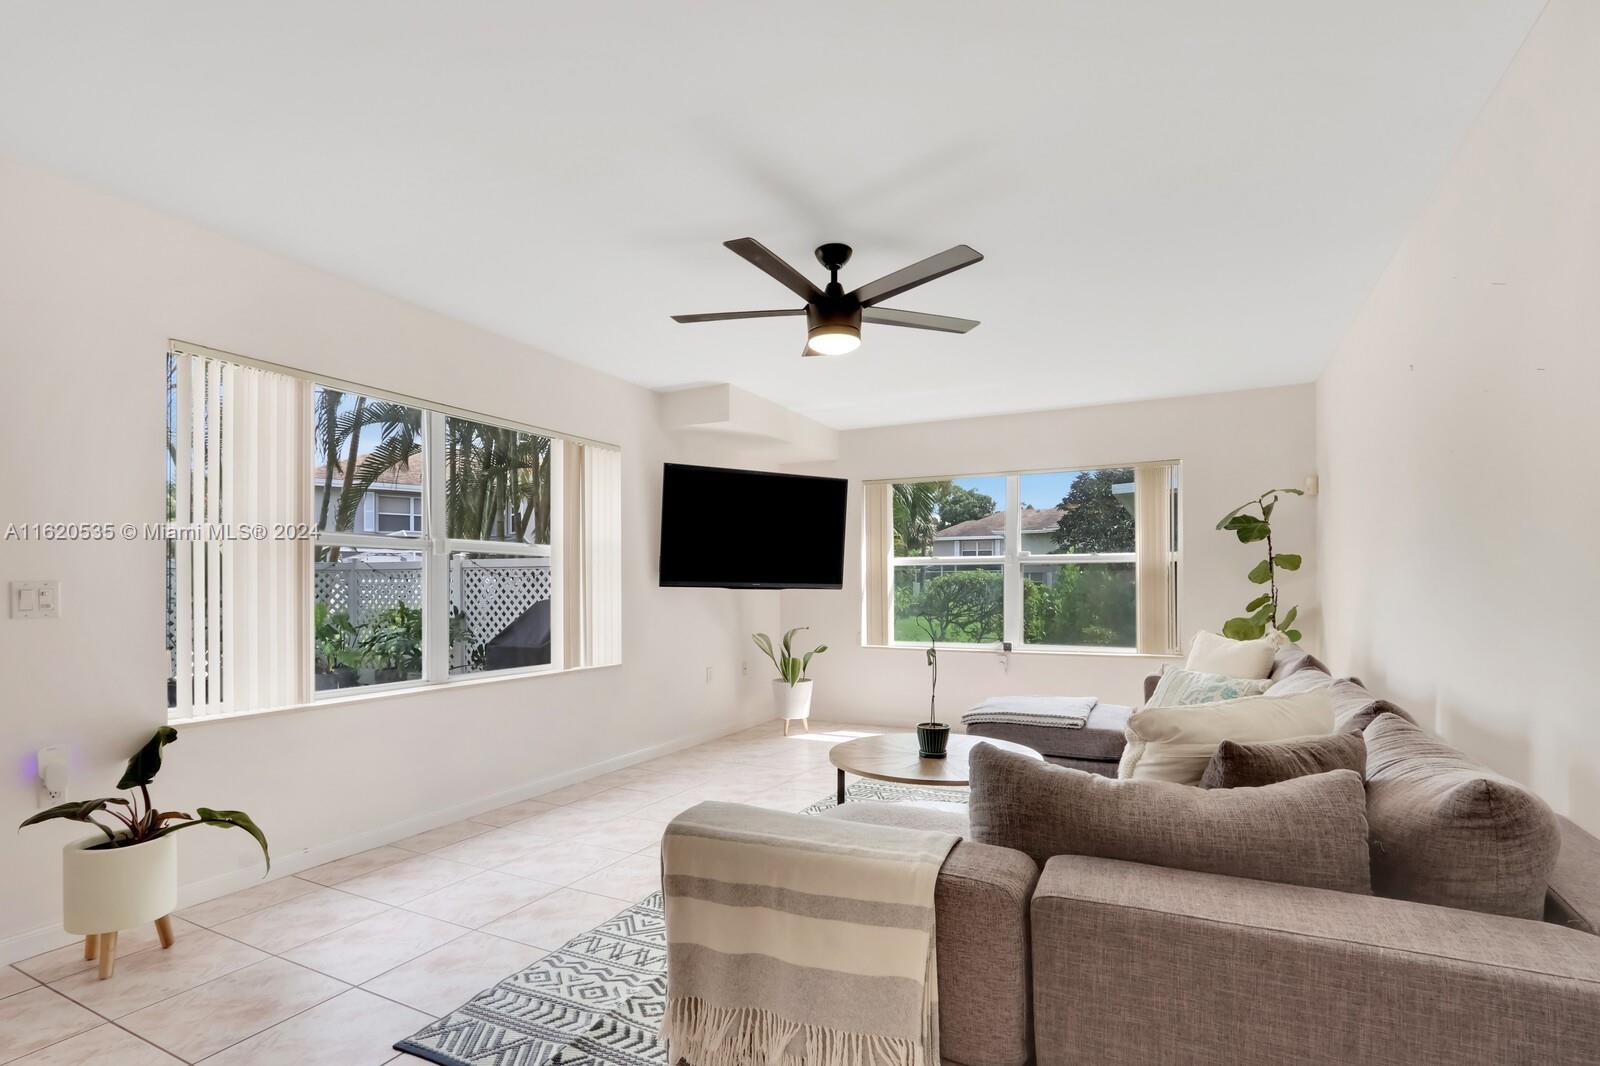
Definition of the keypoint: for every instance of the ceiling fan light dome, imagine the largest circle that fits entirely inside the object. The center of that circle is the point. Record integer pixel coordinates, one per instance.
(833, 340)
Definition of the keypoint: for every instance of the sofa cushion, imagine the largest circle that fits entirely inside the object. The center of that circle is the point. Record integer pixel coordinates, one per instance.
(1180, 688)
(1309, 831)
(1449, 832)
(1213, 653)
(1289, 659)
(1574, 898)
(982, 947)
(1354, 707)
(1176, 743)
(1240, 764)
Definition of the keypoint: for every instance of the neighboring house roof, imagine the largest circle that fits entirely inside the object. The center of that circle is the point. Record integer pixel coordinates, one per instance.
(407, 473)
(994, 526)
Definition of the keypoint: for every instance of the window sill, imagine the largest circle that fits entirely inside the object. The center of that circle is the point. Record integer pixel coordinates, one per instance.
(398, 691)
(995, 649)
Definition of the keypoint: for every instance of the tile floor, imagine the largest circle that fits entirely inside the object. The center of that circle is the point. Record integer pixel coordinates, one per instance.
(335, 964)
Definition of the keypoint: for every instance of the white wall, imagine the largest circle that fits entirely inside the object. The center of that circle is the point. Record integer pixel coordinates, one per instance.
(1459, 437)
(91, 288)
(1233, 446)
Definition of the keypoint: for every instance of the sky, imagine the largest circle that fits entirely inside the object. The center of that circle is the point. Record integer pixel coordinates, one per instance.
(1040, 490)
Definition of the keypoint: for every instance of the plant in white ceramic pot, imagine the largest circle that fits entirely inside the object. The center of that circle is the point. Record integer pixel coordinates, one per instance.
(128, 875)
(791, 689)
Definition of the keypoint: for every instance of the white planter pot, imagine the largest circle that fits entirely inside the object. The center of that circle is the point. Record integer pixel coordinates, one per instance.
(112, 889)
(791, 701)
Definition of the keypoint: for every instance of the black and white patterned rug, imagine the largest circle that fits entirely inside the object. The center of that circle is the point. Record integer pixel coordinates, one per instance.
(598, 1001)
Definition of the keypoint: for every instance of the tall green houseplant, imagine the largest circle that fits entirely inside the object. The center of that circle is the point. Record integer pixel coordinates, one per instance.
(1251, 522)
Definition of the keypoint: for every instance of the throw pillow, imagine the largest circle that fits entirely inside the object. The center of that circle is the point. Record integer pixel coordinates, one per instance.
(1449, 832)
(1180, 688)
(1247, 765)
(1213, 653)
(1354, 707)
(1176, 743)
(1309, 831)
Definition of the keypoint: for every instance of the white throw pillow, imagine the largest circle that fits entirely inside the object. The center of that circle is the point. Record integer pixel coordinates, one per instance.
(1213, 653)
(1176, 743)
(1180, 688)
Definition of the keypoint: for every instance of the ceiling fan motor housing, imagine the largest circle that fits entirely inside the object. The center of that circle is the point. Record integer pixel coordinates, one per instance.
(835, 313)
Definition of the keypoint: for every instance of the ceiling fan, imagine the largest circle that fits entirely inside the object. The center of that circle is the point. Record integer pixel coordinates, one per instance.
(833, 316)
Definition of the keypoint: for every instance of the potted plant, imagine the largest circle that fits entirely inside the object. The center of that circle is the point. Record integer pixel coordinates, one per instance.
(933, 736)
(391, 644)
(1263, 609)
(337, 655)
(128, 874)
(791, 689)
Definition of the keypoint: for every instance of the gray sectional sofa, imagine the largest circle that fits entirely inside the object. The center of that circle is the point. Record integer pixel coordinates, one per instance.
(1102, 961)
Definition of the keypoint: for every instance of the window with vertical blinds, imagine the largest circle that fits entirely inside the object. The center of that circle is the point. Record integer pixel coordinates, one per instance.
(325, 538)
(1070, 559)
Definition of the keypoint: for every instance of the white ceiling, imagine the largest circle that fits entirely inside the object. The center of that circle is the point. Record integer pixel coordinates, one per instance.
(1173, 197)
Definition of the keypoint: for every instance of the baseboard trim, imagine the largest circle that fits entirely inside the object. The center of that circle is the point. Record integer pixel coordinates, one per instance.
(47, 938)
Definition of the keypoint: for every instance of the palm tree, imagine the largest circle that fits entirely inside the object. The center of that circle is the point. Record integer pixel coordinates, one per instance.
(916, 506)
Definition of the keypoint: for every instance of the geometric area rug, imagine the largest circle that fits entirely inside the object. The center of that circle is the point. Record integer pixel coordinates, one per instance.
(598, 1001)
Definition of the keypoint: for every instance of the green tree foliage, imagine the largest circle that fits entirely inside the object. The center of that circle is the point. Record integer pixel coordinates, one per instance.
(959, 505)
(1092, 518)
(962, 607)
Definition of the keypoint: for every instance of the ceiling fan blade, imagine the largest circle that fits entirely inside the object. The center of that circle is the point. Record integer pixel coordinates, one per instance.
(935, 266)
(786, 275)
(888, 316)
(724, 316)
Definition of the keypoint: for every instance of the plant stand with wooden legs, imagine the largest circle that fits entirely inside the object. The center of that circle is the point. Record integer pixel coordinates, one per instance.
(103, 946)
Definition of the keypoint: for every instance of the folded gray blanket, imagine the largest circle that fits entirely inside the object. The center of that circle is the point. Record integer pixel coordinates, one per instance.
(1063, 712)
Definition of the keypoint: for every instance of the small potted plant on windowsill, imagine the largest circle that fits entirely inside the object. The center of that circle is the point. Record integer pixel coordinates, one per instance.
(391, 644)
(128, 874)
(791, 689)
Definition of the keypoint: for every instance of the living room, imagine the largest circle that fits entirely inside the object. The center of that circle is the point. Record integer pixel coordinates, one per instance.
(397, 284)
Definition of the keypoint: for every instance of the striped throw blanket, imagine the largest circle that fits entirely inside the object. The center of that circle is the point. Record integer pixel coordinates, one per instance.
(799, 940)
(1063, 712)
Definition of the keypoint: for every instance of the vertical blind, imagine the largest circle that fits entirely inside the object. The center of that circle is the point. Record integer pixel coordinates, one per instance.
(240, 446)
(592, 550)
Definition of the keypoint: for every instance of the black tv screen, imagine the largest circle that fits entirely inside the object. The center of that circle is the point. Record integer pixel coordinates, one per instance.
(746, 529)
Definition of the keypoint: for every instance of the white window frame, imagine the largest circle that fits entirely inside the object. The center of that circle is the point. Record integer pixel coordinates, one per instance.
(1013, 558)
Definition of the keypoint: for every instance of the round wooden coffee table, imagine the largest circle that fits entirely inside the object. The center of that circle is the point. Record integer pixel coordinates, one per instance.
(893, 757)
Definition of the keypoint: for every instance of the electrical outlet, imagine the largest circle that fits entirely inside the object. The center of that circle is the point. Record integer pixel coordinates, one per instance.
(52, 776)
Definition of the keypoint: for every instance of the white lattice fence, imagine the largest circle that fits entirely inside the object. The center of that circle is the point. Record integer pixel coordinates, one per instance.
(495, 594)
(365, 587)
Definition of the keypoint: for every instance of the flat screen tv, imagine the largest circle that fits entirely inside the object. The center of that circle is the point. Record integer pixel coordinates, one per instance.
(747, 529)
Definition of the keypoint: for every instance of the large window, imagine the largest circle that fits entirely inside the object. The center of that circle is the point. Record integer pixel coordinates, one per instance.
(1066, 559)
(328, 538)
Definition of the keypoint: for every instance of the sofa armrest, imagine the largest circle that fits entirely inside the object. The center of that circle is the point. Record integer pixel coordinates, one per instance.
(1140, 964)
(1150, 683)
(980, 904)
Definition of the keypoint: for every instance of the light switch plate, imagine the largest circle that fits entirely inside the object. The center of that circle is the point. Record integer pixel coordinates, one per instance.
(35, 599)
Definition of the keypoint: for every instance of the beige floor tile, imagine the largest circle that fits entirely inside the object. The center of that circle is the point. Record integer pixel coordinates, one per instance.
(629, 834)
(332, 873)
(287, 925)
(555, 919)
(563, 823)
(63, 962)
(613, 802)
(38, 1018)
(562, 864)
(247, 901)
(354, 1029)
(569, 793)
(629, 880)
(207, 1019)
(481, 898)
(494, 848)
(362, 951)
(654, 851)
(446, 977)
(434, 839)
(405, 881)
(197, 956)
(514, 812)
(13, 980)
(104, 1045)
(668, 809)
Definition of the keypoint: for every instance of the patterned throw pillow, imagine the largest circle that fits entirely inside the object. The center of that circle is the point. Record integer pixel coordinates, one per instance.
(1180, 688)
